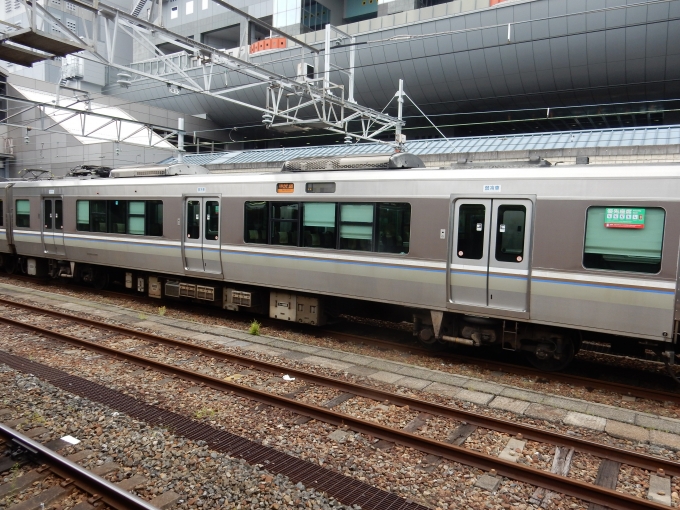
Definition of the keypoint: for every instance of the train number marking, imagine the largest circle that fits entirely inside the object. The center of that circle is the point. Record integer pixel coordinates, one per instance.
(200, 189)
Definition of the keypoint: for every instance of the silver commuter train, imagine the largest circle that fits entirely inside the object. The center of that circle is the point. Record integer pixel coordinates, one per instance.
(527, 257)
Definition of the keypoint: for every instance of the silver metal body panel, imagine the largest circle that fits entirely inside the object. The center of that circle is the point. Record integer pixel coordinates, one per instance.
(557, 290)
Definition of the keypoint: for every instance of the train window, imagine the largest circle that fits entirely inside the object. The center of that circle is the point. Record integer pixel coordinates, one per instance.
(83, 215)
(256, 221)
(510, 233)
(58, 215)
(284, 221)
(117, 212)
(154, 218)
(23, 209)
(2, 216)
(193, 219)
(356, 227)
(98, 216)
(212, 219)
(394, 227)
(47, 206)
(136, 218)
(470, 244)
(625, 244)
(318, 225)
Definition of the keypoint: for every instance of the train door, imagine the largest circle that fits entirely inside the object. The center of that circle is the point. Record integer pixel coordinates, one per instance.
(201, 244)
(53, 226)
(491, 242)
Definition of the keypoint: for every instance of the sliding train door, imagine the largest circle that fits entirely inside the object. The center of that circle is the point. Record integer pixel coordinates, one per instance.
(53, 226)
(489, 261)
(201, 240)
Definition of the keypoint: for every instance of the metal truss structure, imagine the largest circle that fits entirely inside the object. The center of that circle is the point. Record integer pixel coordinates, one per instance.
(48, 117)
(307, 101)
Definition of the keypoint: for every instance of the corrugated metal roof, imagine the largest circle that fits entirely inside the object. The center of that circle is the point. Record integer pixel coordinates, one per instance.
(629, 137)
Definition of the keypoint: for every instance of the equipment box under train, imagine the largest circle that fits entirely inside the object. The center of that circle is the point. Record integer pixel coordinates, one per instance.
(291, 307)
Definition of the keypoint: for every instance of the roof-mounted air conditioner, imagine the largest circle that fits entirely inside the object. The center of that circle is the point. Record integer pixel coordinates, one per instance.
(158, 170)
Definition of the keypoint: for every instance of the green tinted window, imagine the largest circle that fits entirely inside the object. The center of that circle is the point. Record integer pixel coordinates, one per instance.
(318, 225)
(23, 213)
(135, 219)
(356, 227)
(627, 246)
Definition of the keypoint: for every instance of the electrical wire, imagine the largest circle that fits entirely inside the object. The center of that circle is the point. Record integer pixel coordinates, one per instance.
(398, 39)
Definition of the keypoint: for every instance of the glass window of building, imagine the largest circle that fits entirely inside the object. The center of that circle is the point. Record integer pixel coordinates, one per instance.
(315, 16)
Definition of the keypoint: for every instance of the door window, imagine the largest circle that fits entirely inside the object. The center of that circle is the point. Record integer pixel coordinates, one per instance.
(193, 219)
(58, 217)
(212, 219)
(48, 214)
(470, 243)
(510, 233)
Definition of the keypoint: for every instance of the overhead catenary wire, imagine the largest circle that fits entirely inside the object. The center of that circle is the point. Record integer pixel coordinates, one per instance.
(397, 39)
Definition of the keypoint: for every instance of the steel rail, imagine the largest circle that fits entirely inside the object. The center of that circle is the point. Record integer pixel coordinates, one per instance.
(532, 433)
(576, 380)
(550, 481)
(86, 480)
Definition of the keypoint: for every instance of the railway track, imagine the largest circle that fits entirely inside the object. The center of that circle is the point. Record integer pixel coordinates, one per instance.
(589, 383)
(556, 480)
(24, 449)
(511, 368)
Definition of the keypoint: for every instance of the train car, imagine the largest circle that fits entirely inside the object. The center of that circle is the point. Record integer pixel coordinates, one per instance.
(527, 257)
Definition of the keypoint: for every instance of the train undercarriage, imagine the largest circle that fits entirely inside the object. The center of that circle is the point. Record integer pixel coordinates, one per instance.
(546, 347)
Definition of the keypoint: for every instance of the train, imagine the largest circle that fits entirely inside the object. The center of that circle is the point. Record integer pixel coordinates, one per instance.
(527, 256)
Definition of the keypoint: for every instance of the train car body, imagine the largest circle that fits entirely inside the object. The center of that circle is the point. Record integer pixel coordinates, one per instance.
(524, 257)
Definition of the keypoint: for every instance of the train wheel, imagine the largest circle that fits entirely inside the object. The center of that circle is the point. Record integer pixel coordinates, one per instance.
(546, 360)
(426, 337)
(100, 279)
(10, 264)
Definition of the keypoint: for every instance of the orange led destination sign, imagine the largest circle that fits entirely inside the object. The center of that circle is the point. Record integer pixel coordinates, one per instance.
(285, 187)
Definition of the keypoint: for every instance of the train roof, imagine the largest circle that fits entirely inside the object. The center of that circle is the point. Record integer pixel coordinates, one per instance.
(458, 172)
